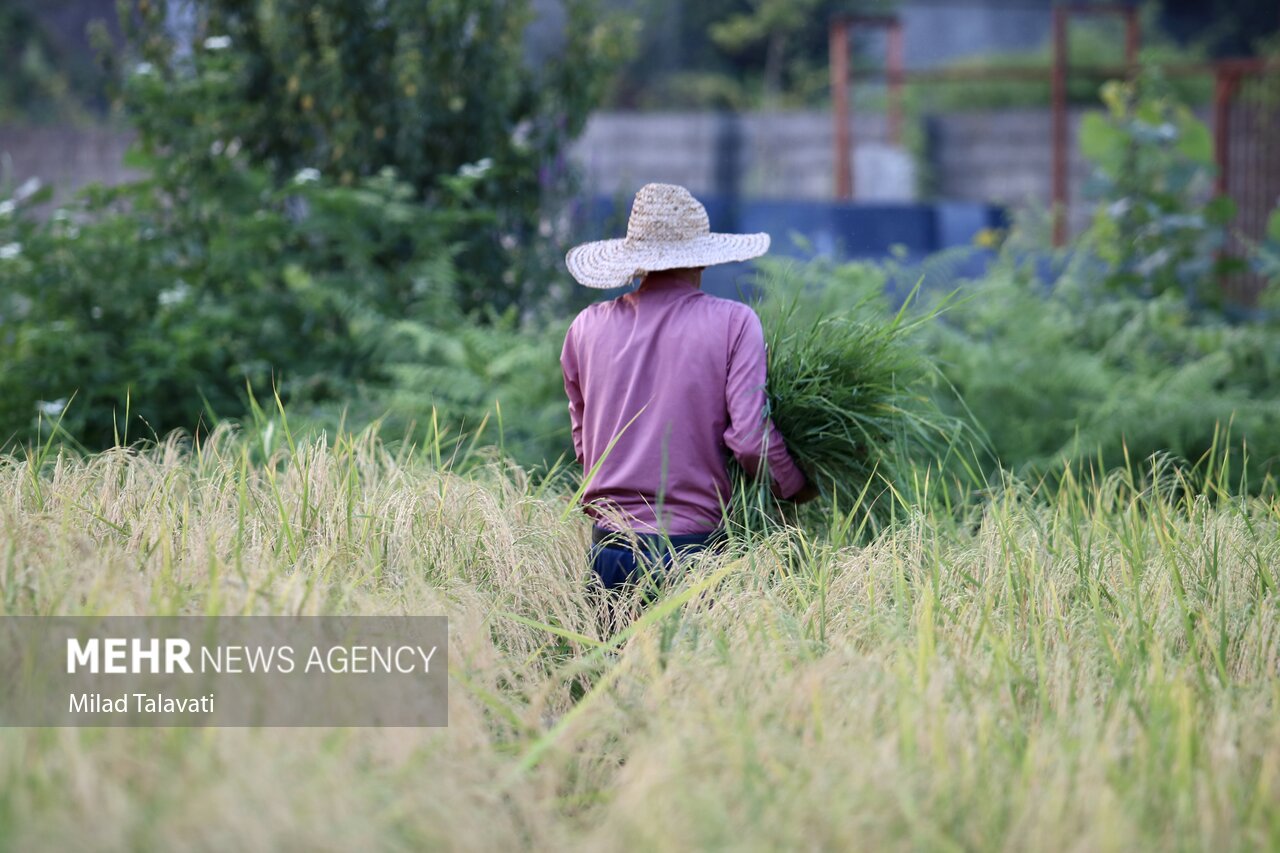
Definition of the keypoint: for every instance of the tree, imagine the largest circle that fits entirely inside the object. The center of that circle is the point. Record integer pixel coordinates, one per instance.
(732, 53)
(773, 23)
(430, 89)
(38, 81)
(322, 180)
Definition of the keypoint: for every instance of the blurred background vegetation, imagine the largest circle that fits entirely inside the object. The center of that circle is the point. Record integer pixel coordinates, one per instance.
(363, 206)
(745, 54)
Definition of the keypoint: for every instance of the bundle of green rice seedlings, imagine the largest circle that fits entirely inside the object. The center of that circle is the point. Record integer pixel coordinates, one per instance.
(847, 391)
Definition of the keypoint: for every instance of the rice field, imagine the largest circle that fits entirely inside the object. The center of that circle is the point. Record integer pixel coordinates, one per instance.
(1093, 669)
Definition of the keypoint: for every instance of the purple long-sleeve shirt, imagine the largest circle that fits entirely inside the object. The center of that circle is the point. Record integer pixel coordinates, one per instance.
(690, 369)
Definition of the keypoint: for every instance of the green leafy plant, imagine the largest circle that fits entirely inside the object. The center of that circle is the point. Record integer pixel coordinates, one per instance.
(40, 79)
(1155, 226)
(433, 90)
(160, 303)
(1267, 256)
(492, 384)
(1072, 376)
(318, 179)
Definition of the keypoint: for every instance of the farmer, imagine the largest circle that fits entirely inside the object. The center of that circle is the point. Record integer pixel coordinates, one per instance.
(672, 378)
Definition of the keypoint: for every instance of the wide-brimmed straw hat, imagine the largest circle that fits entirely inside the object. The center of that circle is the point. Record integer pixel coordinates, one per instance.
(668, 229)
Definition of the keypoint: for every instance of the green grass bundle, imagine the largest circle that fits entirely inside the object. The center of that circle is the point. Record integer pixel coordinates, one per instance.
(846, 392)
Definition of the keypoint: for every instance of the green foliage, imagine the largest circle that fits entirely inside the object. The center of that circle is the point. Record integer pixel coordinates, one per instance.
(1267, 257)
(492, 384)
(735, 54)
(37, 81)
(775, 24)
(340, 200)
(1153, 164)
(430, 89)
(1071, 374)
(166, 297)
(1094, 43)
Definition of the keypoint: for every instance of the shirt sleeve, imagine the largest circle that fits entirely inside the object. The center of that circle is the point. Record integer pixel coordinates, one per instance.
(572, 388)
(750, 433)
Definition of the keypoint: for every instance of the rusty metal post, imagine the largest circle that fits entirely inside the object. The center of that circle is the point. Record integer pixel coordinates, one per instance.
(1224, 83)
(1132, 38)
(1058, 128)
(894, 59)
(839, 59)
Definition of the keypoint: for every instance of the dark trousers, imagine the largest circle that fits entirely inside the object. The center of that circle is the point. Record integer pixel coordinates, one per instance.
(617, 563)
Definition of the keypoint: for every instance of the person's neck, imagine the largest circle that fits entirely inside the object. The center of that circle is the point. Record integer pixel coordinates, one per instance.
(689, 279)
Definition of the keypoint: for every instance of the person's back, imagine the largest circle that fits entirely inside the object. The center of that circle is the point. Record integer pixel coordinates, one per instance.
(664, 382)
(676, 376)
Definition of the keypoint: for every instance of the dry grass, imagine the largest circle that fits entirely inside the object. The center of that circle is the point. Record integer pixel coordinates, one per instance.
(1093, 670)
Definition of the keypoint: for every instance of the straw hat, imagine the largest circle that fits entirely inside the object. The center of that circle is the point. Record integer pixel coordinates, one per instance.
(668, 229)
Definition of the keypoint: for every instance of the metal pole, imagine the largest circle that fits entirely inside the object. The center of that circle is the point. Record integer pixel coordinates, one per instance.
(1223, 88)
(895, 69)
(839, 59)
(1131, 38)
(1224, 82)
(1058, 127)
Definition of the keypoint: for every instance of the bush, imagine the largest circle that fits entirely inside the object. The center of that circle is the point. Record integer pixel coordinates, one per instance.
(1066, 374)
(1155, 226)
(1128, 353)
(167, 302)
(329, 187)
(476, 385)
(349, 89)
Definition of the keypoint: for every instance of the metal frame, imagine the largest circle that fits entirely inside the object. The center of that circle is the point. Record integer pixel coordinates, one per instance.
(1229, 76)
(1061, 20)
(842, 27)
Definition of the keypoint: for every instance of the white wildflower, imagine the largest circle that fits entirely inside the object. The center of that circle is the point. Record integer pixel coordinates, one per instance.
(7, 207)
(175, 294)
(307, 176)
(217, 43)
(29, 187)
(216, 148)
(476, 169)
(51, 408)
(10, 251)
(142, 69)
(64, 227)
(63, 224)
(521, 133)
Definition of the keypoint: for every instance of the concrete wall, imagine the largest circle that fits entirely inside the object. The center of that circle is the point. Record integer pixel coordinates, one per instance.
(65, 158)
(1006, 156)
(762, 155)
(1002, 156)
